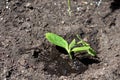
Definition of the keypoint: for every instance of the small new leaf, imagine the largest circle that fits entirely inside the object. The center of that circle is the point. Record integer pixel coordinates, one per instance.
(82, 42)
(72, 44)
(79, 49)
(57, 40)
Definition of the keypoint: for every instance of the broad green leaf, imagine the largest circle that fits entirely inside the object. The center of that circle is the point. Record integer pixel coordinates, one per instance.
(91, 52)
(79, 49)
(57, 40)
(72, 44)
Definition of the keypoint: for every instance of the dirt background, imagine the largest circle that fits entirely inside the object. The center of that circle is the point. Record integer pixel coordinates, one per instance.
(25, 54)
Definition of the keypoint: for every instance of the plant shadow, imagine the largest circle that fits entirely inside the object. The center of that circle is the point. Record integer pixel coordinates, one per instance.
(115, 5)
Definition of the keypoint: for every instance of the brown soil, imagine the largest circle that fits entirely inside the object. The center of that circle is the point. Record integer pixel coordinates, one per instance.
(25, 54)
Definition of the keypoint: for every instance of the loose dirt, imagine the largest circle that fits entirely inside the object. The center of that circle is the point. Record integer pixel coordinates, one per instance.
(25, 54)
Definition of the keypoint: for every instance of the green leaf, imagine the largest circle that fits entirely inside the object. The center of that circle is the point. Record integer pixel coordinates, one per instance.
(57, 40)
(72, 44)
(79, 49)
(91, 52)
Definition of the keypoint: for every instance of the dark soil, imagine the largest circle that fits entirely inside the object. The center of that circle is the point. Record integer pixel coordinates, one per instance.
(25, 54)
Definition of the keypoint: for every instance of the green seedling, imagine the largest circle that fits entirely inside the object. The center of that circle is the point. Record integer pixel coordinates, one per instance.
(69, 7)
(73, 46)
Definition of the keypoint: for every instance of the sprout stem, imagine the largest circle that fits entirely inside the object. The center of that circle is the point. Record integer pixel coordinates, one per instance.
(69, 7)
(70, 55)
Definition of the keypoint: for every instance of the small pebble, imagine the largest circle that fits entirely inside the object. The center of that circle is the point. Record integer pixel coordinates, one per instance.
(78, 8)
(28, 5)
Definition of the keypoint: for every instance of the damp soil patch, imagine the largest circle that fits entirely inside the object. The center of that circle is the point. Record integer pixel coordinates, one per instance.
(61, 65)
